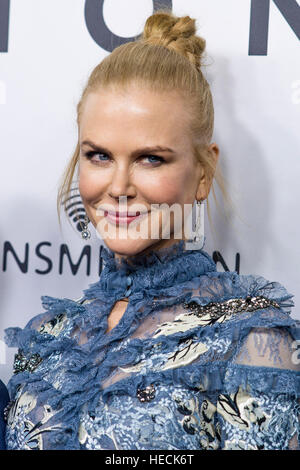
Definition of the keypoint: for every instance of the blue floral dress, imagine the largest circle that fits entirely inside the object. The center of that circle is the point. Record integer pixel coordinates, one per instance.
(200, 359)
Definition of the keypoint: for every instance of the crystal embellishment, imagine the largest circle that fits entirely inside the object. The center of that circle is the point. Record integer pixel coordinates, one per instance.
(86, 234)
(231, 306)
(146, 394)
(22, 363)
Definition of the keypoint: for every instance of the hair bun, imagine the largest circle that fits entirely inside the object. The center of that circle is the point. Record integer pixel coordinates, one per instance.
(177, 33)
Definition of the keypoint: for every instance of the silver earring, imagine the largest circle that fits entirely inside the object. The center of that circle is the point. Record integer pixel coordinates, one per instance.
(196, 241)
(85, 233)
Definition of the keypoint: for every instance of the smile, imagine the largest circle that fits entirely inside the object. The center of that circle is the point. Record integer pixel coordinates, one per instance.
(123, 218)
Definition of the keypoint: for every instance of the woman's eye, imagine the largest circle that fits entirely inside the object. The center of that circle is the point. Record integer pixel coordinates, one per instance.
(153, 159)
(102, 156)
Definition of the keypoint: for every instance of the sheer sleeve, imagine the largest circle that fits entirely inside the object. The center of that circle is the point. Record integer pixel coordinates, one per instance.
(263, 411)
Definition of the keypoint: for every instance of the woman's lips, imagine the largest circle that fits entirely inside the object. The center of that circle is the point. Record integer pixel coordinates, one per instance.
(122, 218)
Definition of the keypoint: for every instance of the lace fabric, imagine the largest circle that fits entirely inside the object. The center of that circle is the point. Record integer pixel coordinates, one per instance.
(186, 367)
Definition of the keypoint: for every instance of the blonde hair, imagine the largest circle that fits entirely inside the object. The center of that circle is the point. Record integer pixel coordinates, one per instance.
(168, 56)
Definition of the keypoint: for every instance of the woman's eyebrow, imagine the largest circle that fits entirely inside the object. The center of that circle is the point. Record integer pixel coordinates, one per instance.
(156, 148)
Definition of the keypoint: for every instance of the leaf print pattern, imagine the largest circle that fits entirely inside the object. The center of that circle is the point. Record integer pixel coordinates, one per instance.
(229, 408)
(186, 353)
(22, 431)
(199, 421)
(187, 321)
(258, 422)
(181, 323)
(242, 410)
(55, 326)
(210, 435)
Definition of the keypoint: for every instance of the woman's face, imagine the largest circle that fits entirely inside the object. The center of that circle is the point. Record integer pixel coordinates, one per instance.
(135, 155)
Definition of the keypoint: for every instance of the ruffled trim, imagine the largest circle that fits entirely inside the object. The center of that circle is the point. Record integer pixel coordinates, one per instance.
(161, 269)
(258, 285)
(218, 377)
(153, 257)
(269, 380)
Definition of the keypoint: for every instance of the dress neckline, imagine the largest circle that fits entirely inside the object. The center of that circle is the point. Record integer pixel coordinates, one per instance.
(153, 256)
(149, 272)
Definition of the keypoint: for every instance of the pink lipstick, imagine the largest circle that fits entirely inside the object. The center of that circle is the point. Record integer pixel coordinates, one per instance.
(123, 218)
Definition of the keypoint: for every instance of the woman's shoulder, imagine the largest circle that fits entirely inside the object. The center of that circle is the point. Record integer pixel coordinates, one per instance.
(229, 295)
(251, 315)
(244, 303)
(245, 318)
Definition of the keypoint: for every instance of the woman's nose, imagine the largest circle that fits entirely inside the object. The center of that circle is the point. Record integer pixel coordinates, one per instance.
(121, 184)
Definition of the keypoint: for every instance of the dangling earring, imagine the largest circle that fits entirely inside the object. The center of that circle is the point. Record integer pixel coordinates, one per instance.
(85, 233)
(199, 236)
(197, 240)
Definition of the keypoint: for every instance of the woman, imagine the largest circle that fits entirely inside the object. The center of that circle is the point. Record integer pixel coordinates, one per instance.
(163, 352)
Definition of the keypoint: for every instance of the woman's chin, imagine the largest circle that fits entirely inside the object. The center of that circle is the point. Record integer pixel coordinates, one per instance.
(129, 247)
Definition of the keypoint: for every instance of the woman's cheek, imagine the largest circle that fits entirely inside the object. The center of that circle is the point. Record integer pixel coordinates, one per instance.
(84, 187)
(167, 189)
(90, 186)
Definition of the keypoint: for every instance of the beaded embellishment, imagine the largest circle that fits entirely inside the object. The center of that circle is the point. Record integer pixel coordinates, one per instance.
(146, 394)
(22, 363)
(231, 306)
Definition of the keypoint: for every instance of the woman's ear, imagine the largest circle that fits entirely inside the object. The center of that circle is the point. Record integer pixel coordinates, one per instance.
(206, 178)
(215, 152)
